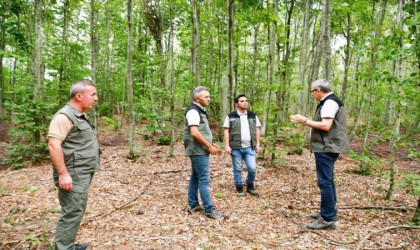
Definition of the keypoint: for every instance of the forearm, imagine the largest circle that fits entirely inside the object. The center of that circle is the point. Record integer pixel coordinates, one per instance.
(226, 138)
(57, 158)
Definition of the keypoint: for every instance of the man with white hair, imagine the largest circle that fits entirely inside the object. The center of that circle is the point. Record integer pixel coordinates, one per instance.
(328, 140)
(198, 142)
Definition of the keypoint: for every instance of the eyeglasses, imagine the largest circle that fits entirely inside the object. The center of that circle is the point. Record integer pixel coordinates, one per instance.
(313, 90)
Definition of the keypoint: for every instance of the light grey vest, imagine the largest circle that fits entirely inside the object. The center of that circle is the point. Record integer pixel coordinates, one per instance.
(335, 140)
(191, 146)
(80, 148)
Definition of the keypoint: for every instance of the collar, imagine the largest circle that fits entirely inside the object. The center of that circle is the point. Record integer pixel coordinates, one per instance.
(199, 106)
(328, 94)
(244, 113)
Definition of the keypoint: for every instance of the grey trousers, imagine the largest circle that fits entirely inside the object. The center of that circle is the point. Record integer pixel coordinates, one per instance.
(73, 206)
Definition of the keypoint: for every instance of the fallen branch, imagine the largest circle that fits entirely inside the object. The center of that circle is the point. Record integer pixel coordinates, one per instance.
(370, 207)
(362, 242)
(125, 205)
(167, 237)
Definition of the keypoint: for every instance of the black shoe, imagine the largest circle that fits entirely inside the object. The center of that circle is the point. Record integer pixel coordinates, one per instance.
(82, 246)
(250, 190)
(239, 190)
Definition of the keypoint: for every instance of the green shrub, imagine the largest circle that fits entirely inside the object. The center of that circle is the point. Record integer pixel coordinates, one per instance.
(164, 140)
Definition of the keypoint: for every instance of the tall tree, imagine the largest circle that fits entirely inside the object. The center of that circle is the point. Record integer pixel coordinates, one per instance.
(230, 53)
(94, 54)
(37, 66)
(326, 41)
(131, 110)
(195, 49)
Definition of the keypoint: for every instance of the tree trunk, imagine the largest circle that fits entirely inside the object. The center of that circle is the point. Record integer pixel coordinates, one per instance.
(94, 57)
(347, 58)
(64, 58)
(2, 47)
(254, 60)
(396, 134)
(271, 70)
(173, 83)
(416, 217)
(37, 67)
(195, 49)
(303, 51)
(132, 152)
(230, 54)
(326, 43)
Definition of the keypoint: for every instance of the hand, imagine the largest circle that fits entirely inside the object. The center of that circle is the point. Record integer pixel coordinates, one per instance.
(257, 148)
(299, 118)
(214, 149)
(65, 182)
(228, 150)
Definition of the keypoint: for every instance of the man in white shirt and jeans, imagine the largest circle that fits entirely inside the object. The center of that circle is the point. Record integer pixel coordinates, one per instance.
(242, 142)
(328, 140)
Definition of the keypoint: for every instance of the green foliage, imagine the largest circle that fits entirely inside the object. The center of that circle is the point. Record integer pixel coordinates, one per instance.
(367, 165)
(27, 137)
(54, 209)
(411, 184)
(164, 140)
(111, 122)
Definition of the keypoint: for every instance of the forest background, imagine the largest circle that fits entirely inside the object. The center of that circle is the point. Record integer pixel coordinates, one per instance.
(147, 56)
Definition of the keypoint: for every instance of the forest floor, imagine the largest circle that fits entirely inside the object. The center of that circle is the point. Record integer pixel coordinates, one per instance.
(141, 204)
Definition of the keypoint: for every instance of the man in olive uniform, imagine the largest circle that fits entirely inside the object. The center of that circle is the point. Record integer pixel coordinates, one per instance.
(74, 154)
(328, 140)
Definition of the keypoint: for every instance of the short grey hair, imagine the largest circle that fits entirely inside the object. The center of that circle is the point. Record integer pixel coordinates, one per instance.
(322, 85)
(198, 90)
(79, 86)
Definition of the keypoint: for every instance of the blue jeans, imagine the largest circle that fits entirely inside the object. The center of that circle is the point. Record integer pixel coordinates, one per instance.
(200, 182)
(325, 175)
(248, 155)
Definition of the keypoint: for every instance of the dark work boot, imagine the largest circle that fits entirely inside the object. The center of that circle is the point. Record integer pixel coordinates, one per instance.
(250, 190)
(239, 190)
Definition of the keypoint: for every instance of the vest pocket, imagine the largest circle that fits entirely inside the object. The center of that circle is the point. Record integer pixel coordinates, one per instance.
(85, 158)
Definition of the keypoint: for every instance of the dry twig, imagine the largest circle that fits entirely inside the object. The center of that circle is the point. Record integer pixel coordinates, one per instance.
(362, 242)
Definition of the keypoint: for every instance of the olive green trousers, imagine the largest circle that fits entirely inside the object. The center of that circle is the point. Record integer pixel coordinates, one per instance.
(73, 206)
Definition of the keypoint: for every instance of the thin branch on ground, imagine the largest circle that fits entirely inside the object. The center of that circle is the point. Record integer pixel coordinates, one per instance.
(362, 242)
(403, 208)
(97, 216)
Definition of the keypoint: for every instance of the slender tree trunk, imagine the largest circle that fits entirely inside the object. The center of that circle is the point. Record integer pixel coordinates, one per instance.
(2, 48)
(230, 54)
(303, 52)
(173, 84)
(37, 66)
(94, 57)
(416, 217)
(63, 64)
(281, 88)
(396, 134)
(132, 118)
(195, 49)
(326, 43)
(254, 60)
(347, 58)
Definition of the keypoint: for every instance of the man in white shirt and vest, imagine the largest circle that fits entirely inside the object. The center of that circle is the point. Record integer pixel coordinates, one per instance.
(242, 142)
(198, 143)
(328, 140)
